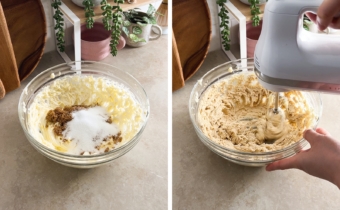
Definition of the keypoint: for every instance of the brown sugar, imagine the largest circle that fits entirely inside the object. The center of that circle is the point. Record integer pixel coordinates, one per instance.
(115, 139)
(60, 116)
(109, 120)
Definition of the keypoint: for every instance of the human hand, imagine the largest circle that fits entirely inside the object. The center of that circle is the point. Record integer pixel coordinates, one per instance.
(327, 15)
(321, 160)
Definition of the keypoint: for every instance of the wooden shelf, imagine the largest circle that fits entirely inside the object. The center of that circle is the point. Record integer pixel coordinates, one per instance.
(245, 9)
(79, 11)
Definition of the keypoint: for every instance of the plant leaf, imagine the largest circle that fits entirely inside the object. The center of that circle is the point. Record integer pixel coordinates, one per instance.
(151, 10)
(146, 19)
(125, 30)
(142, 24)
(137, 30)
(135, 38)
(152, 20)
(126, 23)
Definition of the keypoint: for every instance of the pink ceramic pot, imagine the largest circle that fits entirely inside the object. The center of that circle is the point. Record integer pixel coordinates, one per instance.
(121, 43)
(95, 42)
(253, 34)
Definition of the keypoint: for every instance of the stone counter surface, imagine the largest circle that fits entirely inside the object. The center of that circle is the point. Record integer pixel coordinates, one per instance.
(204, 180)
(137, 180)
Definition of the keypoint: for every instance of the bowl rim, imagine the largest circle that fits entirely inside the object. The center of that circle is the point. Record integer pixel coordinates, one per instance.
(198, 129)
(71, 64)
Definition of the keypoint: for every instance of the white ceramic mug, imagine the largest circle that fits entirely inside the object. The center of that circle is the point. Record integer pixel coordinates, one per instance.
(146, 34)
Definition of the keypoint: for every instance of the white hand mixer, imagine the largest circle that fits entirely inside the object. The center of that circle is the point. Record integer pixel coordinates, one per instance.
(289, 57)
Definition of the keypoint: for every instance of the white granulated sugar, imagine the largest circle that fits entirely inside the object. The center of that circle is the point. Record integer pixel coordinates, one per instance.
(88, 128)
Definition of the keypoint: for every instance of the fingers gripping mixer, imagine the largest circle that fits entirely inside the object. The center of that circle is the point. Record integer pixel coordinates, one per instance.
(289, 57)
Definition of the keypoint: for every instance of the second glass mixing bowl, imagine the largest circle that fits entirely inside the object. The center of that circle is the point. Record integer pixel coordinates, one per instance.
(243, 158)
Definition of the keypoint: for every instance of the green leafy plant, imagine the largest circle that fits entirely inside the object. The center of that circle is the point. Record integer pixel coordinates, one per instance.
(224, 25)
(107, 14)
(117, 21)
(139, 18)
(255, 11)
(89, 13)
(58, 16)
(225, 31)
(110, 14)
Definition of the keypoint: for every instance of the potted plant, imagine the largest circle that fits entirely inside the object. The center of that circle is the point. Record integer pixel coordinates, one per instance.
(223, 14)
(137, 26)
(255, 10)
(224, 25)
(110, 14)
(58, 16)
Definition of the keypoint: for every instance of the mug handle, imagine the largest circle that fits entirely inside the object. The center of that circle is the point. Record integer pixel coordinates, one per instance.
(157, 27)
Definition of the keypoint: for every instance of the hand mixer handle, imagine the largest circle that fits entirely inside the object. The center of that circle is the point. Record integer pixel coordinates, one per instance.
(318, 48)
(281, 21)
(287, 55)
(291, 7)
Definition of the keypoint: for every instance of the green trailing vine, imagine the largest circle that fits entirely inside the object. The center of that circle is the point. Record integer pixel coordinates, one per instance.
(107, 14)
(89, 13)
(110, 13)
(224, 25)
(117, 21)
(58, 16)
(255, 11)
(225, 31)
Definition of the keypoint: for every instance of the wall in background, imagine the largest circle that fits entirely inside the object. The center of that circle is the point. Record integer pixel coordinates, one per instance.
(215, 43)
(50, 42)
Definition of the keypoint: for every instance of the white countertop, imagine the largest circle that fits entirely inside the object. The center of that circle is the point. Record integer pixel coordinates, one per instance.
(137, 180)
(204, 180)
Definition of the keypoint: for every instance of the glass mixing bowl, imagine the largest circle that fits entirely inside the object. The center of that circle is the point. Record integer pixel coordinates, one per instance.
(243, 158)
(94, 69)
